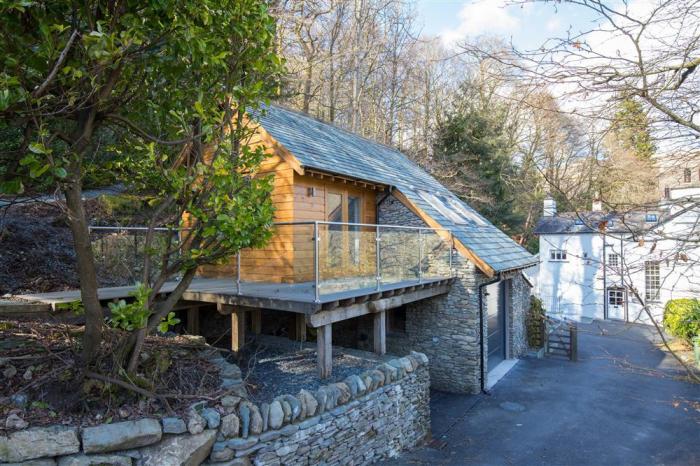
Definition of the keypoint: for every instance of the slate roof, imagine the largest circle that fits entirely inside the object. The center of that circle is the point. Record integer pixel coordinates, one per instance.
(590, 222)
(325, 147)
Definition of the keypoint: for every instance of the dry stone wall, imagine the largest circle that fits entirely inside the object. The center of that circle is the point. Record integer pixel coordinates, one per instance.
(365, 418)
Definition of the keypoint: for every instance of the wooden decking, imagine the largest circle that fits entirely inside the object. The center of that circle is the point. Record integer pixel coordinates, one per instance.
(297, 297)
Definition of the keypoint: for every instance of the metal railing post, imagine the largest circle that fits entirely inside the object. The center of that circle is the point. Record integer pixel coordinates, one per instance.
(238, 272)
(317, 240)
(420, 256)
(377, 239)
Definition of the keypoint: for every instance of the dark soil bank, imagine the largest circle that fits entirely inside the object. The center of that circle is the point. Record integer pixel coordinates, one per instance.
(36, 250)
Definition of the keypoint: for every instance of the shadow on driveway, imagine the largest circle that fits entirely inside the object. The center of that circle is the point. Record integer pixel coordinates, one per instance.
(624, 403)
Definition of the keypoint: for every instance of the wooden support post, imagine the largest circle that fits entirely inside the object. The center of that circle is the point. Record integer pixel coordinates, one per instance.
(256, 321)
(300, 327)
(573, 342)
(193, 321)
(237, 330)
(325, 351)
(380, 332)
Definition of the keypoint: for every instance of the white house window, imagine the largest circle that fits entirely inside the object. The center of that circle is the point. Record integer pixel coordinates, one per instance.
(614, 260)
(687, 174)
(651, 218)
(557, 255)
(652, 280)
(616, 296)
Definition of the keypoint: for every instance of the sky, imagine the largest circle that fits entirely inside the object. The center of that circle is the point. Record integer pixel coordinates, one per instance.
(527, 26)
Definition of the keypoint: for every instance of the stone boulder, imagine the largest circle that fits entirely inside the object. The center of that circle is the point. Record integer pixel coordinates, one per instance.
(39, 442)
(309, 402)
(173, 425)
(121, 435)
(276, 415)
(230, 426)
(179, 450)
(94, 460)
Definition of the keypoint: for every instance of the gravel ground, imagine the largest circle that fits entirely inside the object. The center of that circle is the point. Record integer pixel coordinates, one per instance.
(279, 371)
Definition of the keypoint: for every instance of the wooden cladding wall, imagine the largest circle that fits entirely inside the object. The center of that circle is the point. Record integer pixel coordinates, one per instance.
(289, 257)
(311, 203)
(274, 263)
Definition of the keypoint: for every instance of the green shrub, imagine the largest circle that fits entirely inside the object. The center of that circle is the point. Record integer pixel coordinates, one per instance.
(535, 317)
(682, 318)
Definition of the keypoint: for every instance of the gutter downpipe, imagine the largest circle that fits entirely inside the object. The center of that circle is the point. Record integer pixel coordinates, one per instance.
(482, 380)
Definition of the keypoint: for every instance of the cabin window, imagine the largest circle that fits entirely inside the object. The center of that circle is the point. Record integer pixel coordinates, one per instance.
(557, 255)
(687, 175)
(652, 280)
(396, 320)
(354, 203)
(651, 218)
(334, 243)
(667, 192)
(614, 260)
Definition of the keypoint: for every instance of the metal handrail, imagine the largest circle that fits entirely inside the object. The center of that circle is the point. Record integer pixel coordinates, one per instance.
(370, 225)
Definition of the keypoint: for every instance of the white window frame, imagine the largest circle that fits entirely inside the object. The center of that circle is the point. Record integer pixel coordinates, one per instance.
(557, 255)
(652, 281)
(614, 263)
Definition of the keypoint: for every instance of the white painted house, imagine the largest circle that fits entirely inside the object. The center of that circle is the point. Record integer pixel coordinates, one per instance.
(603, 265)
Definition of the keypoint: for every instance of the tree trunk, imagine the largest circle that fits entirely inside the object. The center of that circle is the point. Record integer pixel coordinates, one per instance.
(86, 271)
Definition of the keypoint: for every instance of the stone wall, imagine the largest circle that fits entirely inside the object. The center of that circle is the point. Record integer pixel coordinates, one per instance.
(365, 418)
(520, 291)
(446, 328)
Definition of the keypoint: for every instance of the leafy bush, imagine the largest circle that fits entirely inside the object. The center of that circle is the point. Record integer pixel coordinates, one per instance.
(535, 317)
(682, 318)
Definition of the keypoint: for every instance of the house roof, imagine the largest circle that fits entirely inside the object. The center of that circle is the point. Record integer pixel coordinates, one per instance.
(595, 221)
(322, 146)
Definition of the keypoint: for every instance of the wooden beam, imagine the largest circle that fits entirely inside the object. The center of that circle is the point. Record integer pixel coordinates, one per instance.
(193, 321)
(356, 310)
(380, 332)
(237, 330)
(300, 322)
(461, 248)
(271, 143)
(324, 345)
(256, 321)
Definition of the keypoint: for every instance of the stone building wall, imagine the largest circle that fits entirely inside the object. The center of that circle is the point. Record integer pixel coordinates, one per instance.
(520, 291)
(364, 419)
(446, 328)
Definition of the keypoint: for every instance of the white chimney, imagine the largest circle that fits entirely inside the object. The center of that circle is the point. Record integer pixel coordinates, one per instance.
(597, 205)
(550, 207)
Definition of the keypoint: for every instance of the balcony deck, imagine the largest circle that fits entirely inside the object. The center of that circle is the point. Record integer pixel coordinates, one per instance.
(297, 297)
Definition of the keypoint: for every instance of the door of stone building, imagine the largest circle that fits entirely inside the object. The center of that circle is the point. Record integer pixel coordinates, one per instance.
(495, 300)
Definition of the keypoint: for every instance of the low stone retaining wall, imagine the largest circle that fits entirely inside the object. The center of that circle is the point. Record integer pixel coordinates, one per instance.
(363, 419)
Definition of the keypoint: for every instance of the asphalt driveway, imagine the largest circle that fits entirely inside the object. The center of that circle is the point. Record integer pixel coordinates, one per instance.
(623, 403)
